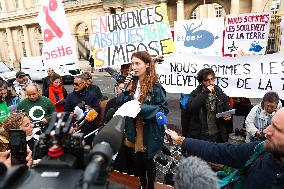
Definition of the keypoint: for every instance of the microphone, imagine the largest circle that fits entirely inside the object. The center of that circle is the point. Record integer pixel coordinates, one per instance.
(198, 175)
(107, 143)
(162, 121)
(89, 116)
(132, 75)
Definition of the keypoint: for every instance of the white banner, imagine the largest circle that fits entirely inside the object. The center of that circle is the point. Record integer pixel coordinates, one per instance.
(246, 32)
(247, 76)
(57, 40)
(201, 37)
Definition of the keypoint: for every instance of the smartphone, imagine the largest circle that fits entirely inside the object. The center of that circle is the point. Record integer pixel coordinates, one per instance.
(18, 146)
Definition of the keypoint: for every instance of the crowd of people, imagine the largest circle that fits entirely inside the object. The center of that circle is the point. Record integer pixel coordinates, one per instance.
(258, 163)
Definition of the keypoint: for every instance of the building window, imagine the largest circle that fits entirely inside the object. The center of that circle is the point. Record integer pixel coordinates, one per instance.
(275, 4)
(0, 7)
(17, 4)
(24, 49)
(218, 10)
(193, 15)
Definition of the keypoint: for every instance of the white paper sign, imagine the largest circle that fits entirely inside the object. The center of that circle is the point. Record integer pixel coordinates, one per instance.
(129, 109)
(201, 37)
(57, 39)
(247, 76)
(246, 32)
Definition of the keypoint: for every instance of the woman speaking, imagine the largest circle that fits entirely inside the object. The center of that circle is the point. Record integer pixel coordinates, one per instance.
(143, 133)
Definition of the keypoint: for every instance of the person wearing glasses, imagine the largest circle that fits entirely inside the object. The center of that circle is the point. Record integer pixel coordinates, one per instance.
(91, 87)
(56, 92)
(84, 99)
(261, 115)
(206, 101)
(81, 94)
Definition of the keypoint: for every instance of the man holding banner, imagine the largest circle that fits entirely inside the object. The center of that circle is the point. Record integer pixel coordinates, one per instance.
(206, 101)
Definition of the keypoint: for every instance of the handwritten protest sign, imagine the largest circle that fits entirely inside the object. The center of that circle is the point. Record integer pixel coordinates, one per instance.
(247, 32)
(58, 46)
(201, 37)
(115, 37)
(247, 76)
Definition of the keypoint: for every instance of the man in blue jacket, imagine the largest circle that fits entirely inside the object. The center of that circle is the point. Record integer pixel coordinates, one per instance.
(265, 171)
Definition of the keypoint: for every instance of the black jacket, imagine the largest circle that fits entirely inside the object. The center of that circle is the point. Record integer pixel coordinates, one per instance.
(197, 113)
(45, 85)
(265, 172)
(74, 98)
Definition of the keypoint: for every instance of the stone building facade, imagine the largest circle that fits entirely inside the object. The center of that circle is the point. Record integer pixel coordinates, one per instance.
(20, 34)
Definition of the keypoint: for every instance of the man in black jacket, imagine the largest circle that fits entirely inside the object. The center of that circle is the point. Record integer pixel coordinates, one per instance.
(82, 96)
(206, 101)
(265, 171)
(46, 82)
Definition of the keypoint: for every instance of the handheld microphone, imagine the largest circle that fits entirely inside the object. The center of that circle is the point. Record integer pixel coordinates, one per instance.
(162, 121)
(132, 75)
(198, 175)
(90, 115)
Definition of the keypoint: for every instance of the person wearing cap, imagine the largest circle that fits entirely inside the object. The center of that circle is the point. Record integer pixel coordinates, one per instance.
(21, 81)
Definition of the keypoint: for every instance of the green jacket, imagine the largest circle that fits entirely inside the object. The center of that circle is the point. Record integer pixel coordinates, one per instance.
(4, 110)
(37, 110)
(153, 135)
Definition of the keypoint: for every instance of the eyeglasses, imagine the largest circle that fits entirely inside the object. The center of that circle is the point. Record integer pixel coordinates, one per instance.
(77, 84)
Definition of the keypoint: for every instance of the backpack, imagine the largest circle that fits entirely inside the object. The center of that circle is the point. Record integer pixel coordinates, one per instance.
(236, 179)
(184, 98)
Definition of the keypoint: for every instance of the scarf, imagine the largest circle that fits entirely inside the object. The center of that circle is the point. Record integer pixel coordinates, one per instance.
(52, 90)
(138, 145)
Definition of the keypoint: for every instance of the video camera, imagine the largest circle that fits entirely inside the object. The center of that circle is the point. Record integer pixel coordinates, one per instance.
(66, 162)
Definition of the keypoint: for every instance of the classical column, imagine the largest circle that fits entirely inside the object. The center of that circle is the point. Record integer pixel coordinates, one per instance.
(3, 5)
(260, 5)
(281, 8)
(21, 4)
(12, 54)
(235, 7)
(27, 41)
(180, 9)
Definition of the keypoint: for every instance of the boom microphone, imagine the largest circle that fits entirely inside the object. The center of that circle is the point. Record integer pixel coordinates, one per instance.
(162, 121)
(106, 143)
(112, 133)
(132, 75)
(195, 173)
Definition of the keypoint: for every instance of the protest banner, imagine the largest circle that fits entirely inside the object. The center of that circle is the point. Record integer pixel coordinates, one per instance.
(115, 37)
(57, 39)
(200, 37)
(247, 76)
(247, 32)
